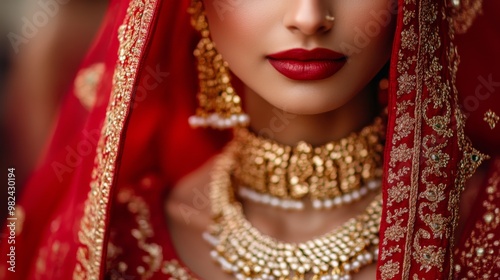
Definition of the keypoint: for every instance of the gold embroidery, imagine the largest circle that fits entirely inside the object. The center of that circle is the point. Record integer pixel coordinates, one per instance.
(436, 160)
(466, 13)
(176, 271)
(394, 232)
(437, 223)
(389, 269)
(491, 118)
(393, 177)
(406, 83)
(54, 254)
(427, 256)
(480, 256)
(398, 193)
(403, 128)
(86, 84)
(390, 252)
(138, 207)
(113, 253)
(471, 157)
(409, 39)
(132, 37)
(153, 260)
(400, 154)
(427, 104)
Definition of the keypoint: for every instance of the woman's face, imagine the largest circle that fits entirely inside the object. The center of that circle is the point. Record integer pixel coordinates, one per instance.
(269, 46)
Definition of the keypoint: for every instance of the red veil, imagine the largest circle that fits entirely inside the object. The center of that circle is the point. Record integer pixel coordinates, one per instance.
(123, 131)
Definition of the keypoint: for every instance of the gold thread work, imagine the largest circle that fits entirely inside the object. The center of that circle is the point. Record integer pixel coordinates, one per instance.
(132, 37)
(491, 119)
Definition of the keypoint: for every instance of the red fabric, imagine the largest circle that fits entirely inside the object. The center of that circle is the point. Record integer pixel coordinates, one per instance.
(478, 78)
(55, 192)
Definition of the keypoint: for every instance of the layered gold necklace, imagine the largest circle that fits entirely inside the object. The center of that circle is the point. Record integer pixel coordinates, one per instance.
(242, 250)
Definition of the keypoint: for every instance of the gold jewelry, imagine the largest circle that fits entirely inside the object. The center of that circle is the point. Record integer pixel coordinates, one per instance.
(330, 175)
(219, 105)
(242, 250)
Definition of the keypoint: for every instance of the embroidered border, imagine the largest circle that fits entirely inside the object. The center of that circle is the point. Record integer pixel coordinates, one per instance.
(424, 182)
(132, 37)
(153, 263)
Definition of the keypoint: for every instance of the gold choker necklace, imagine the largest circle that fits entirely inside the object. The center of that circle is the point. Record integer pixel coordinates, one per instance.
(330, 175)
(242, 250)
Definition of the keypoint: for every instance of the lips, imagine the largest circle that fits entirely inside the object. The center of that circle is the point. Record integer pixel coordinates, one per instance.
(301, 64)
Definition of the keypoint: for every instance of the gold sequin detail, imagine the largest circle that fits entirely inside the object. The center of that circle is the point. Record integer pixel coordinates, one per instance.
(86, 84)
(141, 228)
(132, 38)
(491, 118)
(176, 271)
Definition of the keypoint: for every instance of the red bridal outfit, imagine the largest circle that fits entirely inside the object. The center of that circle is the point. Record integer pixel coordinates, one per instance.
(94, 209)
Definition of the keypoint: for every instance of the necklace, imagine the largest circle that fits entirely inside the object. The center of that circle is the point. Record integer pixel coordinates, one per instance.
(242, 250)
(333, 174)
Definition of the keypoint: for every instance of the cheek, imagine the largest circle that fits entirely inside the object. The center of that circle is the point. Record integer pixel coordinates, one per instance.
(236, 23)
(367, 28)
(367, 35)
(241, 32)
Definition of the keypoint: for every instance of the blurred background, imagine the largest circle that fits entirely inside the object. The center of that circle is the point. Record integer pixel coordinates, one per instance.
(41, 45)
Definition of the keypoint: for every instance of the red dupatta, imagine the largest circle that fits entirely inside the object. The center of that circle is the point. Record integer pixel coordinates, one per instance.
(144, 95)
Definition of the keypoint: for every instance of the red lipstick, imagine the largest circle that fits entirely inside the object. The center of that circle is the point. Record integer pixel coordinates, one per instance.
(303, 65)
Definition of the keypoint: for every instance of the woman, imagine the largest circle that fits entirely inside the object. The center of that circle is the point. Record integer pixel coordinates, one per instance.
(149, 200)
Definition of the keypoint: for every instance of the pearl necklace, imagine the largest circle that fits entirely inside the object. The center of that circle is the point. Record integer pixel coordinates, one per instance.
(240, 249)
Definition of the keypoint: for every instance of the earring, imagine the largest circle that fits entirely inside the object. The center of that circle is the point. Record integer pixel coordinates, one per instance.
(219, 105)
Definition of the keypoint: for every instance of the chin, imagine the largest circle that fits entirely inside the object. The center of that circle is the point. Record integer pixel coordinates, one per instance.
(312, 98)
(307, 106)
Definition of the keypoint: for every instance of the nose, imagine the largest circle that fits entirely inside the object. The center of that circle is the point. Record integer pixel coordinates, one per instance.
(308, 17)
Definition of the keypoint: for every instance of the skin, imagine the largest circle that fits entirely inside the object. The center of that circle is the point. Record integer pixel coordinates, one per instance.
(260, 28)
(288, 110)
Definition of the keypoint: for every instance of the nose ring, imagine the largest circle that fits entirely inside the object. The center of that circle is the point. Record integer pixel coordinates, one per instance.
(330, 18)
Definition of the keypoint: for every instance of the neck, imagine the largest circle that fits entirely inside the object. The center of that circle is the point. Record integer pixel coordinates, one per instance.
(287, 128)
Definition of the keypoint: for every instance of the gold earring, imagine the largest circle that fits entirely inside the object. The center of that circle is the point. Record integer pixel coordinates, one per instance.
(219, 105)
